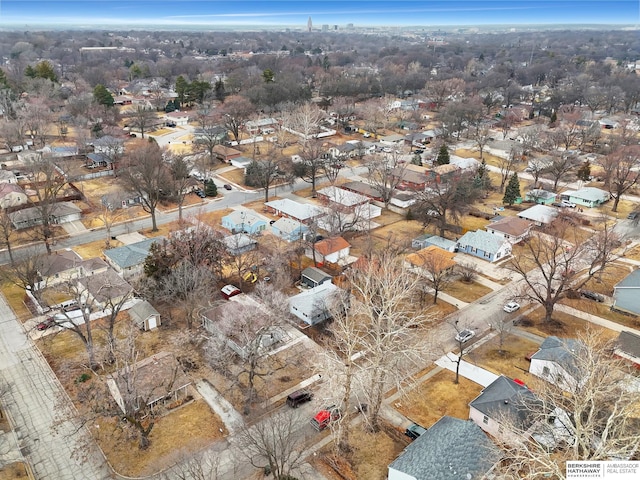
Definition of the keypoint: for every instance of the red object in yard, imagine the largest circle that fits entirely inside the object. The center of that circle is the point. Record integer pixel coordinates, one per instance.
(229, 291)
(519, 382)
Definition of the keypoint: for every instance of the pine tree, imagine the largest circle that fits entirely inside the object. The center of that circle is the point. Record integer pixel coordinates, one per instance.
(102, 96)
(210, 188)
(512, 192)
(584, 172)
(443, 156)
(482, 169)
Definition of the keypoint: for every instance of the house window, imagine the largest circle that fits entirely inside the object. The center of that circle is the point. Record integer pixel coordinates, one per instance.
(474, 250)
(498, 255)
(545, 371)
(485, 420)
(487, 255)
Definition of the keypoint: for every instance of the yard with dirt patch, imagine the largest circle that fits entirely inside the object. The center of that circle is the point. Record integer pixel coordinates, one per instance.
(467, 292)
(509, 360)
(563, 325)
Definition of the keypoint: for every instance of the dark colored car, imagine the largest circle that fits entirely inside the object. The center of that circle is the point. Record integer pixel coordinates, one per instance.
(49, 322)
(596, 297)
(632, 215)
(297, 398)
(200, 193)
(414, 430)
(227, 186)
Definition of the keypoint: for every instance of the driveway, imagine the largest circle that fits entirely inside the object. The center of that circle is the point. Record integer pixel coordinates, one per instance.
(467, 370)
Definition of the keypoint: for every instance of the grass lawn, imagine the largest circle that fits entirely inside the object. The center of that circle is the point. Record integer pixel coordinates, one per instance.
(511, 362)
(16, 297)
(469, 223)
(234, 176)
(625, 207)
(13, 471)
(603, 311)
(467, 292)
(612, 275)
(94, 249)
(563, 325)
(439, 396)
(439, 311)
(373, 452)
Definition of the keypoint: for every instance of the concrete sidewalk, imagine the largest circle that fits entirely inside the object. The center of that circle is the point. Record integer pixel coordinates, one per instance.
(603, 322)
(467, 370)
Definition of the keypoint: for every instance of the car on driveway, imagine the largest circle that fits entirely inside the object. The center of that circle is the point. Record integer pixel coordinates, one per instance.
(227, 186)
(414, 430)
(465, 335)
(596, 297)
(49, 322)
(632, 215)
(511, 307)
(325, 416)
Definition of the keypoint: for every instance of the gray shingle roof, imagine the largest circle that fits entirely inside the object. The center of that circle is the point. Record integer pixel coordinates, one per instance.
(452, 449)
(562, 351)
(629, 343)
(130, 255)
(142, 311)
(630, 281)
(482, 240)
(505, 398)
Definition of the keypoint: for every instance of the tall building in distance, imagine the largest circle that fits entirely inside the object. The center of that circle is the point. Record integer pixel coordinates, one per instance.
(309, 25)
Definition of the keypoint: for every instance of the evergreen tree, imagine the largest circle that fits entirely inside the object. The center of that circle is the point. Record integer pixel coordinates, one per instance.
(45, 70)
(102, 96)
(181, 89)
(268, 76)
(554, 118)
(482, 169)
(210, 188)
(219, 90)
(512, 192)
(443, 155)
(416, 160)
(584, 172)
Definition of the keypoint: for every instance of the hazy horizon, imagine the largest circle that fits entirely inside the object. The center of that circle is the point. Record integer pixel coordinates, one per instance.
(195, 14)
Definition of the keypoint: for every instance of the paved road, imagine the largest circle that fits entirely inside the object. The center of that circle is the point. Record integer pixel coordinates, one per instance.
(48, 434)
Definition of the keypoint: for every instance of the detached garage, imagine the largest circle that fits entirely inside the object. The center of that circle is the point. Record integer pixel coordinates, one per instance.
(145, 316)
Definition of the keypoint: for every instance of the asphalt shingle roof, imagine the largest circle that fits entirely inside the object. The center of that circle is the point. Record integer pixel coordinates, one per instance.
(482, 240)
(562, 351)
(630, 281)
(130, 255)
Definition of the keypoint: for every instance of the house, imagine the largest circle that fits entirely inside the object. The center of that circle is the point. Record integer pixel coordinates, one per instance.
(502, 400)
(96, 160)
(430, 260)
(264, 125)
(241, 162)
(62, 212)
(484, 245)
(180, 119)
(156, 380)
(512, 229)
(104, 289)
(226, 154)
(626, 294)
(428, 239)
(540, 196)
(329, 250)
(314, 305)
(403, 199)
(452, 449)
(59, 152)
(346, 201)
(128, 260)
(213, 133)
(411, 179)
(312, 277)
(363, 188)
(394, 140)
(109, 146)
(60, 266)
(244, 221)
(144, 316)
(586, 197)
(302, 212)
(11, 195)
(7, 176)
(556, 362)
(288, 229)
(628, 347)
(120, 198)
(539, 214)
(239, 243)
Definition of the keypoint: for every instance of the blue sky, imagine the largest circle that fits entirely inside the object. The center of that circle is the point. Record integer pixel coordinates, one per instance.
(113, 13)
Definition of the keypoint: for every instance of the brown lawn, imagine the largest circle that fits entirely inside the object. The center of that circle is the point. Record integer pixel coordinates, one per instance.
(624, 208)
(603, 311)
(469, 223)
(563, 325)
(95, 249)
(13, 471)
(235, 176)
(612, 275)
(467, 292)
(16, 298)
(510, 362)
(439, 396)
(373, 452)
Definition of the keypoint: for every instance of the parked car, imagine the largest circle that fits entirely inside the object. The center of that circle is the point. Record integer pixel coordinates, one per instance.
(414, 430)
(511, 307)
(324, 417)
(297, 398)
(229, 291)
(465, 335)
(632, 215)
(566, 203)
(596, 297)
(200, 193)
(227, 186)
(49, 322)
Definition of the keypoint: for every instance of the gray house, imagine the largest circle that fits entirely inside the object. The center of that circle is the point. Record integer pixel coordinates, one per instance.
(626, 294)
(452, 449)
(428, 240)
(63, 212)
(314, 305)
(312, 277)
(484, 245)
(128, 260)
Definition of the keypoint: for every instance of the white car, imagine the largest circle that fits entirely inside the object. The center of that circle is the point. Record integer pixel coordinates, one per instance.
(511, 307)
(465, 335)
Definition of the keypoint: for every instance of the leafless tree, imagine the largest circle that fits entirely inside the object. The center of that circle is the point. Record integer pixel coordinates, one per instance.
(210, 133)
(26, 272)
(36, 117)
(145, 175)
(195, 466)
(623, 166)
(441, 90)
(274, 444)
(560, 168)
(385, 172)
(141, 118)
(236, 110)
(7, 234)
(480, 133)
(109, 215)
(467, 271)
(435, 267)
(271, 168)
(507, 167)
(549, 263)
(463, 348)
(594, 422)
(312, 164)
(305, 120)
(601, 247)
(179, 179)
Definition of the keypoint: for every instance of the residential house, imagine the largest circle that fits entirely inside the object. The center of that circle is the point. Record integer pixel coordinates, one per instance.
(314, 305)
(513, 229)
(12, 195)
(214, 133)
(411, 177)
(109, 146)
(288, 229)
(128, 260)
(363, 188)
(156, 380)
(484, 245)
(348, 202)
(628, 347)
(626, 294)
(539, 214)
(97, 160)
(244, 221)
(60, 266)
(239, 243)
(302, 212)
(343, 151)
(241, 162)
(264, 126)
(394, 140)
(144, 316)
(540, 196)
(403, 199)
(556, 362)
(417, 139)
(180, 119)
(586, 197)
(120, 198)
(464, 163)
(430, 260)
(312, 277)
(62, 212)
(503, 400)
(7, 176)
(451, 449)
(60, 151)
(428, 239)
(329, 250)
(226, 154)
(103, 289)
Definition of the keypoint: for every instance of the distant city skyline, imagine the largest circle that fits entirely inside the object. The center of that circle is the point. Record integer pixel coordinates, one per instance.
(206, 13)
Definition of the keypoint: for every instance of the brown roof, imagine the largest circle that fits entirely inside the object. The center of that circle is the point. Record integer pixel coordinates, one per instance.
(330, 245)
(60, 261)
(226, 151)
(514, 226)
(433, 256)
(106, 286)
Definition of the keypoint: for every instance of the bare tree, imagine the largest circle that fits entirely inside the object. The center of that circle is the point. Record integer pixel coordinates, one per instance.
(26, 273)
(434, 266)
(265, 172)
(623, 167)
(548, 264)
(142, 118)
(146, 175)
(7, 233)
(595, 422)
(274, 444)
(312, 164)
(179, 179)
(210, 134)
(507, 167)
(560, 168)
(385, 173)
(305, 120)
(463, 348)
(236, 110)
(601, 247)
(468, 271)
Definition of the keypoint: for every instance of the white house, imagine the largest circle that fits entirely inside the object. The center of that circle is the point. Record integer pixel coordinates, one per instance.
(539, 214)
(331, 250)
(144, 316)
(557, 362)
(181, 119)
(512, 229)
(11, 195)
(314, 305)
